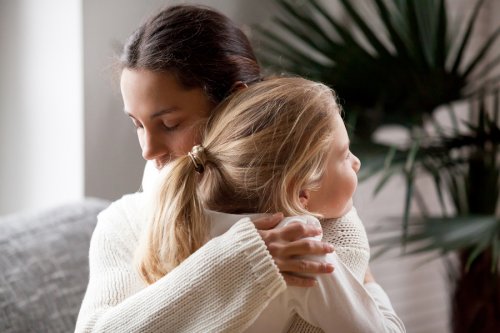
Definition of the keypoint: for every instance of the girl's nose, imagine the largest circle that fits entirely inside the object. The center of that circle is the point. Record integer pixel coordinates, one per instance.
(356, 164)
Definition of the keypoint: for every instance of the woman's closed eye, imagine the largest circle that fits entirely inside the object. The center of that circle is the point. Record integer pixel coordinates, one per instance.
(136, 124)
(169, 128)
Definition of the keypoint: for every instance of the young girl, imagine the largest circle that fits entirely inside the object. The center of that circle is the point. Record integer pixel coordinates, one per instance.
(279, 145)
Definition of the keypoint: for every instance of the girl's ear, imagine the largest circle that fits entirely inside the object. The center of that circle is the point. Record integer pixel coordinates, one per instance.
(304, 197)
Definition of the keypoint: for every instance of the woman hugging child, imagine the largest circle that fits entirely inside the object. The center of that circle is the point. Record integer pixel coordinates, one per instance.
(278, 145)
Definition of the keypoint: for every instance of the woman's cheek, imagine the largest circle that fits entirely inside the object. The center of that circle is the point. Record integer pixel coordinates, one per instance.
(184, 141)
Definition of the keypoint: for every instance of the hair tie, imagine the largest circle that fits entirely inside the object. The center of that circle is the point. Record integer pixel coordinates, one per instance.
(197, 155)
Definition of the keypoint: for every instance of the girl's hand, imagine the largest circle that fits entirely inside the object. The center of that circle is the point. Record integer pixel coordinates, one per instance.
(286, 243)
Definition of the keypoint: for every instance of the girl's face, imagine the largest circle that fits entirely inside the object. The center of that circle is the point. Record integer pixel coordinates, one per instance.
(165, 114)
(336, 188)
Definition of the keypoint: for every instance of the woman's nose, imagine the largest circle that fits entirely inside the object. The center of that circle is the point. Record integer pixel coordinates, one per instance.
(152, 148)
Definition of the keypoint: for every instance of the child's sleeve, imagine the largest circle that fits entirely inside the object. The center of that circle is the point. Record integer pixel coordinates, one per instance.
(340, 302)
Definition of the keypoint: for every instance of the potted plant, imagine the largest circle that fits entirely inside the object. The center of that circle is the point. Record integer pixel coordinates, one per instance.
(397, 75)
(465, 167)
(400, 74)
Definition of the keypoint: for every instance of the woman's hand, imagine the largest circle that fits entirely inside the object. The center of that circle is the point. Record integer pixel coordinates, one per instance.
(286, 243)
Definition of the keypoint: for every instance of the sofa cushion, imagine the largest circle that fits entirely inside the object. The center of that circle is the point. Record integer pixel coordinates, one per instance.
(44, 266)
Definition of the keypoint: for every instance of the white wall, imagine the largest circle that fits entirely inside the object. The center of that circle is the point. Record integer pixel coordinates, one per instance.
(41, 134)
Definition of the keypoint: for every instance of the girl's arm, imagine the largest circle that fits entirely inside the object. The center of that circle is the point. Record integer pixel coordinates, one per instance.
(222, 287)
(341, 301)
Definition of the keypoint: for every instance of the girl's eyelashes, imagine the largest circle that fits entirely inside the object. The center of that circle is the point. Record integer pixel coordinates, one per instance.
(348, 155)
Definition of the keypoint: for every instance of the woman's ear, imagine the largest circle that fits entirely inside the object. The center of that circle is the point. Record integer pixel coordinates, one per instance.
(238, 85)
(304, 197)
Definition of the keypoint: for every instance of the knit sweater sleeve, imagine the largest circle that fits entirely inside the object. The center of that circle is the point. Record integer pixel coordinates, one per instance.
(222, 287)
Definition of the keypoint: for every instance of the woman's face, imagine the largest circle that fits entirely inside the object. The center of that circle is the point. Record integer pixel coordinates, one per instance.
(165, 114)
(334, 196)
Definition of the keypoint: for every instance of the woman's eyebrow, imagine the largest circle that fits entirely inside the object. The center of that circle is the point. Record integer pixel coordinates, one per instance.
(163, 112)
(156, 114)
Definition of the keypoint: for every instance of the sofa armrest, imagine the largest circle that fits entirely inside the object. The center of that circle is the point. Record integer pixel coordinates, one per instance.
(44, 266)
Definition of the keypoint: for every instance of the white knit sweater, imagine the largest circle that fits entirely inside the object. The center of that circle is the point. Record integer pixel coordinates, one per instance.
(223, 287)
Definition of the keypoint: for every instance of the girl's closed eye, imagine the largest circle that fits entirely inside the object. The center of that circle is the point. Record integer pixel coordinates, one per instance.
(348, 155)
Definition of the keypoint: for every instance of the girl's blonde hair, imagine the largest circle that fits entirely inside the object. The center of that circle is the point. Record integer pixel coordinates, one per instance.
(261, 148)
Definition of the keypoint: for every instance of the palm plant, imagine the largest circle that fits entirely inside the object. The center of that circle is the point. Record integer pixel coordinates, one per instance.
(401, 74)
(465, 167)
(415, 63)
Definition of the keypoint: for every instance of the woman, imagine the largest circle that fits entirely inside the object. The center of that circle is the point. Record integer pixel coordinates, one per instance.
(176, 68)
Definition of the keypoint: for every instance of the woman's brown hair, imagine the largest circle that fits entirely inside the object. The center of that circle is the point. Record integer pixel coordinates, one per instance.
(200, 46)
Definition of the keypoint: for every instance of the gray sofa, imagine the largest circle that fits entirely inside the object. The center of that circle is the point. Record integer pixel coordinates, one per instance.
(44, 266)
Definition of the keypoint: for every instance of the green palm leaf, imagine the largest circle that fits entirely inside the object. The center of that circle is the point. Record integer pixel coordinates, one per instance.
(445, 235)
(396, 75)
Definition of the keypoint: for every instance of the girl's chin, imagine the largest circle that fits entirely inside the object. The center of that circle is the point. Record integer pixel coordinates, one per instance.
(347, 208)
(335, 215)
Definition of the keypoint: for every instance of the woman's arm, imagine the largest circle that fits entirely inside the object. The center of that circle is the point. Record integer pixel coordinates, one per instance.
(222, 287)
